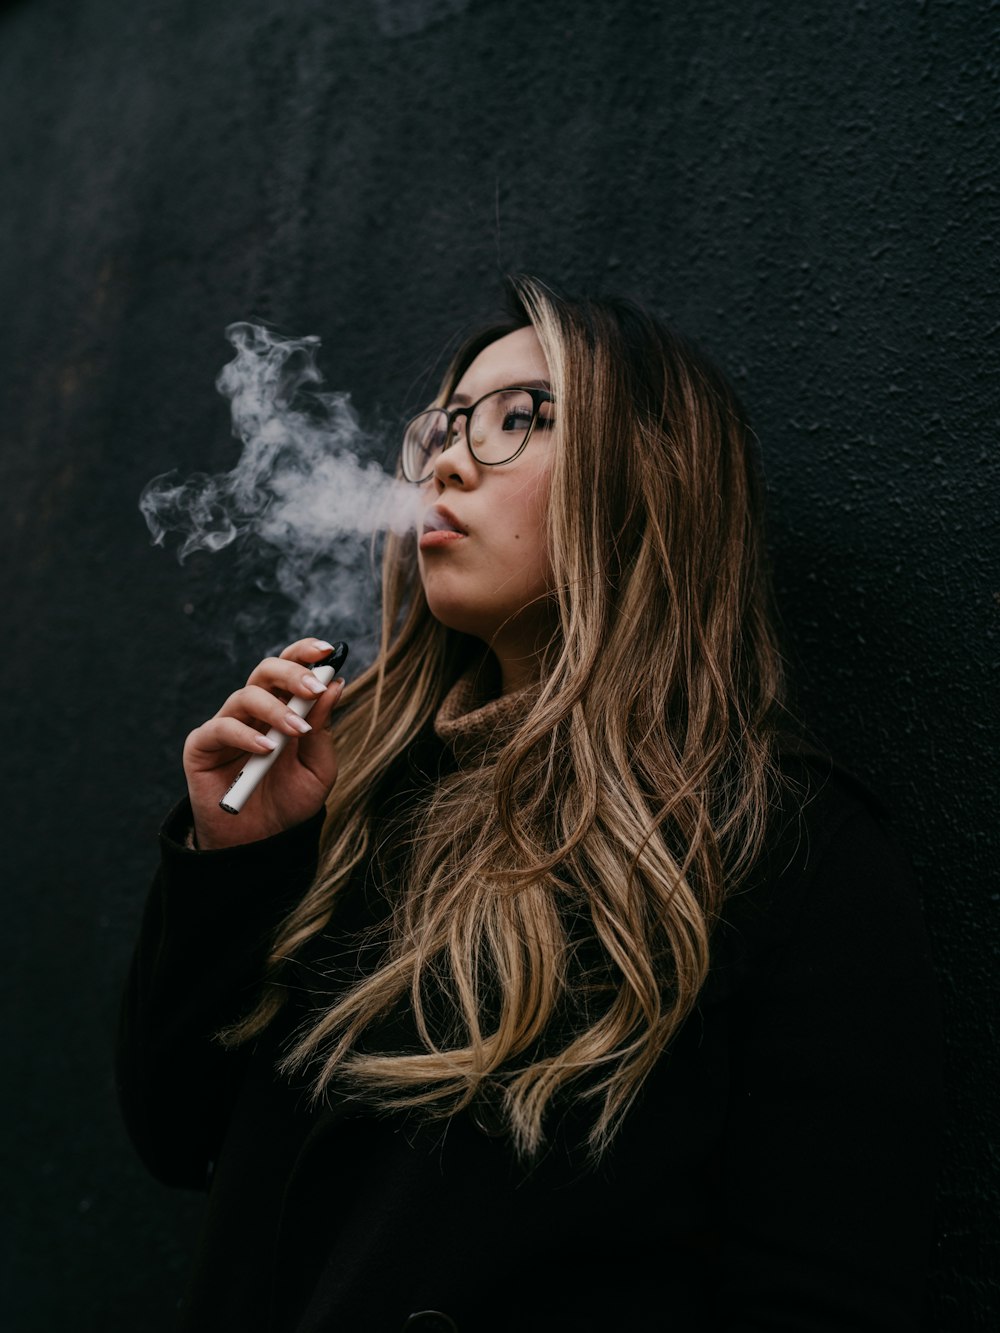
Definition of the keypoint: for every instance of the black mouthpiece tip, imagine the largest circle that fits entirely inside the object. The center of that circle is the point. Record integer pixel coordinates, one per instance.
(336, 658)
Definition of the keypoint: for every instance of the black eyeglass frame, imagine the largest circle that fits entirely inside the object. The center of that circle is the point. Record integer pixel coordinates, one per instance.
(538, 397)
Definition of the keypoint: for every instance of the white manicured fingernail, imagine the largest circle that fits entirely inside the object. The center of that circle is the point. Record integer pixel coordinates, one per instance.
(311, 682)
(265, 743)
(299, 723)
(323, 646)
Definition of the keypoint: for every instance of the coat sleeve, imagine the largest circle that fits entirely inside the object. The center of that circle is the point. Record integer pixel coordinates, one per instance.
(196, 967)
(830, 1160)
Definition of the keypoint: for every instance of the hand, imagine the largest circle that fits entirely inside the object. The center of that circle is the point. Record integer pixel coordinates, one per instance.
(301, 777)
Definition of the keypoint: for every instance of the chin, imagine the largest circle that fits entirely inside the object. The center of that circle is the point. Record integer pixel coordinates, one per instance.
(449, 604)
(456, 618)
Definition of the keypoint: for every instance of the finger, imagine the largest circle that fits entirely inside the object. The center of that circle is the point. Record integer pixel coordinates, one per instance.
(286, 676)
(226, 734)
(321, 711)
(254, 704)
(306, 650)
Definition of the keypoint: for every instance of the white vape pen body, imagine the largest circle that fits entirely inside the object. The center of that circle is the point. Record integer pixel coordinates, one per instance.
(257, 765)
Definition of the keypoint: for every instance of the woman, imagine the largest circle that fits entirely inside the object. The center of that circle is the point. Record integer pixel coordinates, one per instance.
(560, 989)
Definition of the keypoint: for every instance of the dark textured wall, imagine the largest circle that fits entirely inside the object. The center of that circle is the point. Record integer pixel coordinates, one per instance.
(811, 191)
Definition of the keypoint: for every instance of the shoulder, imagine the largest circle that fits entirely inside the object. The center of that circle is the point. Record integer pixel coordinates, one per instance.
(823, 813)
(833, 881)
(820, 805)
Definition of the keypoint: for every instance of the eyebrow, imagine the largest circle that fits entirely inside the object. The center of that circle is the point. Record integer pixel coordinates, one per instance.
(463, 400)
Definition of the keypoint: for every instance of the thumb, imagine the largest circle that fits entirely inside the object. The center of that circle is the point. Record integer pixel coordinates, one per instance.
(316, 749)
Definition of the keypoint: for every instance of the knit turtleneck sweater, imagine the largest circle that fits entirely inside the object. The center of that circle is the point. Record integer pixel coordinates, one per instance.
(474, 718)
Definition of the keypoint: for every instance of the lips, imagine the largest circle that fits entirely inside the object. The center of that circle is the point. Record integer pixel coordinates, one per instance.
(439, 519)
(440, 529)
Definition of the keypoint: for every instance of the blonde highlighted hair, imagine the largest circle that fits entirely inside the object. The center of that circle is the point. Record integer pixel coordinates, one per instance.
(550, 928)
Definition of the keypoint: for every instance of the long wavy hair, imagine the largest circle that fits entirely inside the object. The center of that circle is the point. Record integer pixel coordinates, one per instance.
(550, 924)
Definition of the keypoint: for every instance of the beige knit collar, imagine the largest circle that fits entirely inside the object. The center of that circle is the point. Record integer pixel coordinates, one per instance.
(474, 717)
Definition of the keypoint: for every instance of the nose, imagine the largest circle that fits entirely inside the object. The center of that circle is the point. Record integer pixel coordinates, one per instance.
(455, 460)
(459, 423)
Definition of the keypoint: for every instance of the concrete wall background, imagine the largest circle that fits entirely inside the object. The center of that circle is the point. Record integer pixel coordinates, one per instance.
(810, 191)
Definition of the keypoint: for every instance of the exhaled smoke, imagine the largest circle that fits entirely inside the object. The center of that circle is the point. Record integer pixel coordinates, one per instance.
(303, 498)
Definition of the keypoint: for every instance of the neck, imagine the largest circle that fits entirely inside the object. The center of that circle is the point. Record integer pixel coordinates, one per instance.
(520, 659)
(520, 647)
(516, 673)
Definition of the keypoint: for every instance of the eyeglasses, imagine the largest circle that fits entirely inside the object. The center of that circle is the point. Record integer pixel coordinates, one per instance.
(497, 428)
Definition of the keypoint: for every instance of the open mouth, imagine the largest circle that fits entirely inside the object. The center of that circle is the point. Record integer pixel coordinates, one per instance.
(440, 520)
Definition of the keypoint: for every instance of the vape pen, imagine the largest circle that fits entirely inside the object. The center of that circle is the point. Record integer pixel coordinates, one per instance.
(255, 767)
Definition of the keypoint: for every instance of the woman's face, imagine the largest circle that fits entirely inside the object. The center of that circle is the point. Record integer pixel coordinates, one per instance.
(482, 552)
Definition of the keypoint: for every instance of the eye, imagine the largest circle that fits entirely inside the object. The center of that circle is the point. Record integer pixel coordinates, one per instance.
(517, 418)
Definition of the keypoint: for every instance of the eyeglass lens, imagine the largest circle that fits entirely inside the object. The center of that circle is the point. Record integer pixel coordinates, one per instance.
(496, 431)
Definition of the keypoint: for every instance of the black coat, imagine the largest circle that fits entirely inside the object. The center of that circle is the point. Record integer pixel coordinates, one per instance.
(776, 1174)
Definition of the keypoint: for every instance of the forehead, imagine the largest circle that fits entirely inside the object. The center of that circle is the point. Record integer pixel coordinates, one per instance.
(516, 358)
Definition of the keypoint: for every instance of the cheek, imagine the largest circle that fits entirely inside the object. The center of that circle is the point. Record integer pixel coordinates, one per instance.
(529, 503)
(528, 527)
